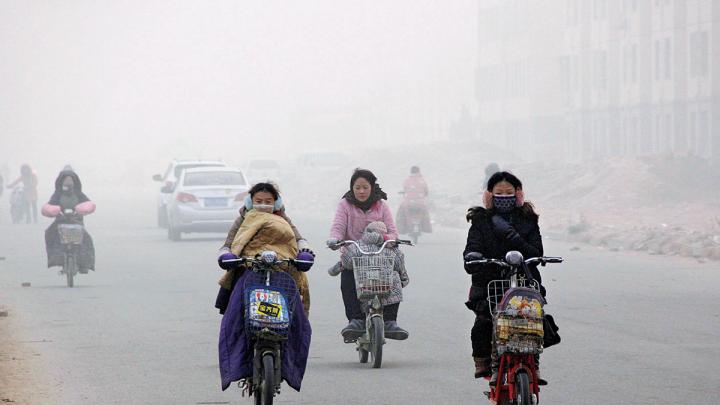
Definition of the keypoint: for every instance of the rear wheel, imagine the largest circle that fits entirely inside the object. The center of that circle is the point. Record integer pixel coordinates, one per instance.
(162, 217)
(70, 270)
(267, 387)
(363, 354)
(414, 237)
(523, 396)
(174, 234)
(377, 335)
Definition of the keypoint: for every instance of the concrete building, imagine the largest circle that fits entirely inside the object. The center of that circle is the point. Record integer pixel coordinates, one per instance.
(584, 79)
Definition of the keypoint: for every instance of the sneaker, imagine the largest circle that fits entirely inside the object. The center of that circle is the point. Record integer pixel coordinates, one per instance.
(482, 367)
(393, 331)
(353, 330)
(540, 381)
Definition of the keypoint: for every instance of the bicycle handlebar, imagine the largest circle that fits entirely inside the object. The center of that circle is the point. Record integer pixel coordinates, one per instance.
(543, 260)
(389, 241)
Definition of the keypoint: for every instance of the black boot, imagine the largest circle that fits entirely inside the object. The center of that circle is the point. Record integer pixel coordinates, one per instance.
(393, 331)
(353, 330)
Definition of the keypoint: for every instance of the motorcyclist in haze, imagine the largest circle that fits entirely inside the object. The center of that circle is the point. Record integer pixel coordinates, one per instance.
(68, 195)
(225, 253)
(362, 204)
(372, 239)
(507, 222)
(262, 229)
(30, 193)
(415, 191)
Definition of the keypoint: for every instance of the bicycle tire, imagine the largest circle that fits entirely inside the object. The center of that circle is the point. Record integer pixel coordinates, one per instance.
(268, 383)
(522, 389)
(70, 270)
(378, 336)
(363, 354)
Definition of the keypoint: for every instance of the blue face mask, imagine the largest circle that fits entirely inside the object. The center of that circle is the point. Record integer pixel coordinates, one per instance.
(504, 203)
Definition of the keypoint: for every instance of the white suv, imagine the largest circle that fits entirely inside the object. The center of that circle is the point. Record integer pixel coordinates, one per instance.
(170, 178)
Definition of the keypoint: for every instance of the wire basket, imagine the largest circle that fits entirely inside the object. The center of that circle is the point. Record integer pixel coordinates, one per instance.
(71, 234)
(269, 308)
(373, 276)
(498, 288)
(517, 316)
(516, 334)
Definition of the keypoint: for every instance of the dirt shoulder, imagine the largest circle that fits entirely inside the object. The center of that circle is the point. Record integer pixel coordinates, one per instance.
(21, 368)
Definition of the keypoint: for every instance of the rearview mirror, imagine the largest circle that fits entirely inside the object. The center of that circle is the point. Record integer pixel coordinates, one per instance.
(157, 177)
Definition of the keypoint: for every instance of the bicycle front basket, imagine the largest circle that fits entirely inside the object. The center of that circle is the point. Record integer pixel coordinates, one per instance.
(269, 309)
(519, 322)
(373, 275)
(70, 234)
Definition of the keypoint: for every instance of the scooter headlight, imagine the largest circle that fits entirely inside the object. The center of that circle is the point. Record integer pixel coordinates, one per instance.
(268, 256)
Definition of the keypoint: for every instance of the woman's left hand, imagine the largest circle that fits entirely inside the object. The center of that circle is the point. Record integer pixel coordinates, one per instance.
(502, 227)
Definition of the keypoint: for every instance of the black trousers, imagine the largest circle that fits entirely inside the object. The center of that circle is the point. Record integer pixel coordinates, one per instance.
(353, 308)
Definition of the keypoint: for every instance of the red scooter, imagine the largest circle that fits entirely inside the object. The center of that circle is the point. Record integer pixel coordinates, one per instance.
(516, 306)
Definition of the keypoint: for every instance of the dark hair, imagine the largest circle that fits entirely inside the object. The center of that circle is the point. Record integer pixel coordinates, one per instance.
(503, 176)
(267, 187)
(365, 174)
(528, 208)
(414, 170)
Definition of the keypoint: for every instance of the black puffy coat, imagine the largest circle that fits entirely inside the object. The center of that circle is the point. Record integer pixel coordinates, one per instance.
(483, 239)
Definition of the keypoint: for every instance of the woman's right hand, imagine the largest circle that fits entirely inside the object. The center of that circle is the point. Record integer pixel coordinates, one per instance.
(226, 256)
(333, 244)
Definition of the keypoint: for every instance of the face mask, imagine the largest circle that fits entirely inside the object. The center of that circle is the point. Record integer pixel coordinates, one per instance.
(264, 208)
(504, 203)
(67, 189)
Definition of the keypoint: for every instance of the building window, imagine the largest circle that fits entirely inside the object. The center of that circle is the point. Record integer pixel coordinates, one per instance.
(657, 59)
(600, 69)
(599, 9)
(667, 59)
(572, 12)
(699, 54)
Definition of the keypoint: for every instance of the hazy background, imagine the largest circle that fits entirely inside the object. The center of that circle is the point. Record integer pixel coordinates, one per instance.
(107, 85)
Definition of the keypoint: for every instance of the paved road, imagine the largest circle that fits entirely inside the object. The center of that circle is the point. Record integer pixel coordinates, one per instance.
(142, 329)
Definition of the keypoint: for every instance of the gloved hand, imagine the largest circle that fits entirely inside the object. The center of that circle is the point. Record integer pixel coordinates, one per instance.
(335, 269)
(304, 246)
(502, 227)
(226, 256)
(332, 244)
(404, 282)
(470, 268)
(305, 257)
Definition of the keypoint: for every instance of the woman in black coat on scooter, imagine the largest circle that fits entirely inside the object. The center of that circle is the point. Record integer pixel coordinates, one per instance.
(506, 223)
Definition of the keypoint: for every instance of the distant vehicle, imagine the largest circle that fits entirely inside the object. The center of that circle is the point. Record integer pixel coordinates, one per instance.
(205, 199)
(263, 170)
(172, 173)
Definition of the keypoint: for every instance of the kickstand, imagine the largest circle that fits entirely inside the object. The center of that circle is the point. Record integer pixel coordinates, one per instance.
(245, 386)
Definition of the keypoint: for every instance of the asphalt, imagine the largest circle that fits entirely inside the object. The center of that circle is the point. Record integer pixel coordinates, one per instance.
(142, 329)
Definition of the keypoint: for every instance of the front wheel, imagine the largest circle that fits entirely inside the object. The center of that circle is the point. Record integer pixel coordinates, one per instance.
(523, 396)
(378, 338)
(70, 270)
(267, 387)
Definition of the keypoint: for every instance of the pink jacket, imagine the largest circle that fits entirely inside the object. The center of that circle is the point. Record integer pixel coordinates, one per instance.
(350, 221)
(415, 187)
(85, 208)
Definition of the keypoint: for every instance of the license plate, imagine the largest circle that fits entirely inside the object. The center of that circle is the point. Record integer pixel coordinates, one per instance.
(216, 202)
(268, 305)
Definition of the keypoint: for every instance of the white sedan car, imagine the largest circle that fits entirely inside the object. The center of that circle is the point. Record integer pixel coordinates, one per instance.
(206, 199)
